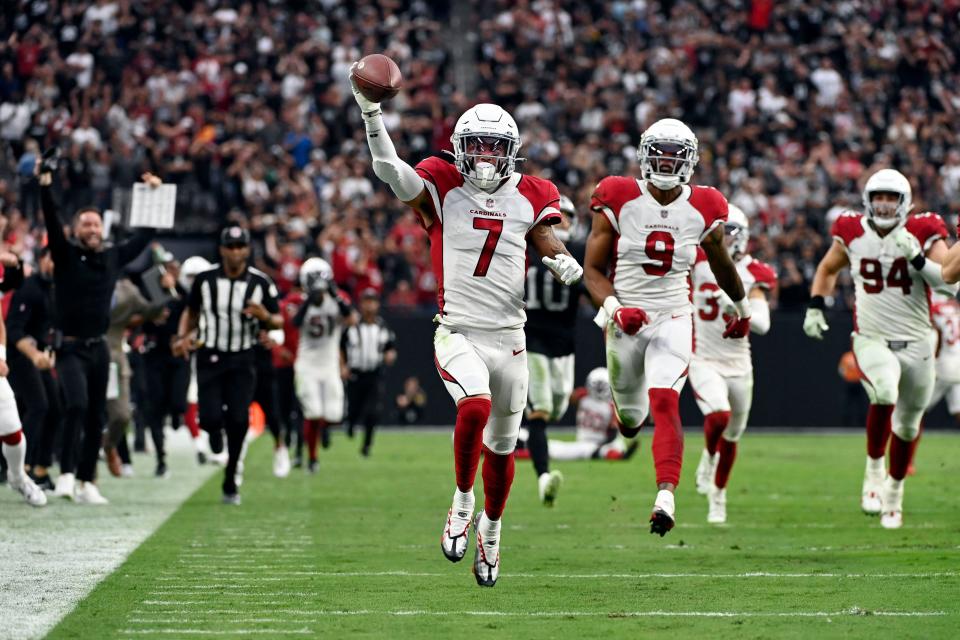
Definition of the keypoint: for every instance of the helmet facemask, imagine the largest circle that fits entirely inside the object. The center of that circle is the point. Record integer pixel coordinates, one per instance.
(485, 159)
(667, 163)
(890, 212)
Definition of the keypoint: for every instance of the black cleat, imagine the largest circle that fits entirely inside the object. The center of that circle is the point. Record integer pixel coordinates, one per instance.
(660, 522)
(313, 466)
(629, 432)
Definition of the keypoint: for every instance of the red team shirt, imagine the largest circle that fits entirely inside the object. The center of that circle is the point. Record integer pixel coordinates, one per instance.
(656, 245)
(478, 243)
(885, 285)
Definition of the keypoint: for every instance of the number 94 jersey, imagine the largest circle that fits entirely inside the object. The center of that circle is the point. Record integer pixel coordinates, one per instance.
(892, 300)
(656, 245)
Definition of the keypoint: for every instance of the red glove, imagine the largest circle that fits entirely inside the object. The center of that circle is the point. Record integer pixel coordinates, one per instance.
(737, 327)
(630, 319)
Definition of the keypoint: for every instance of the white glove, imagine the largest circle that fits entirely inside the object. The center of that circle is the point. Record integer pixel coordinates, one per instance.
(907, 243)
(565, 267)
(814, 324)
(365, 105)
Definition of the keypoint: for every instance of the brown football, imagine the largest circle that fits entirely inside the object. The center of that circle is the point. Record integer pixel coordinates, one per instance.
(377, 77)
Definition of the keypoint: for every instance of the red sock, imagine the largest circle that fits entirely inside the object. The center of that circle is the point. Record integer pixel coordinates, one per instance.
(667, 435)
(310, 429)
(713, 426)
(190, 418)
(878, 429)
(497, 479)
(472, 414)
(12, 439)
(728, 453)
(901, 454)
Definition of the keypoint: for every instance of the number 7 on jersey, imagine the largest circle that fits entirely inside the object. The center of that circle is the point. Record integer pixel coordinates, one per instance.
(493, 228)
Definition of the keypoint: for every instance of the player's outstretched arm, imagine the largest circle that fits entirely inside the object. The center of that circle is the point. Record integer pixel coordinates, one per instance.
(555, 255)
(929, 264)
(950, 266)
(400, 176)
(721, 264)
(824, 282)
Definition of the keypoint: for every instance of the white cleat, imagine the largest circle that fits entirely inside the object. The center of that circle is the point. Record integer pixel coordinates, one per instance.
(456, 531)
(281, 462)
(717, 509)
(32, 494)
(662, 518)
(486, 562)
(88, 493)
(892, 515)
(705, 472)
(65, 486)
(126, 471)
(870, 496)
(549, 486)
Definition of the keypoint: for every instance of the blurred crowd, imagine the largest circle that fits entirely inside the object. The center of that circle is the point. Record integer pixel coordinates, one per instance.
(247, 108)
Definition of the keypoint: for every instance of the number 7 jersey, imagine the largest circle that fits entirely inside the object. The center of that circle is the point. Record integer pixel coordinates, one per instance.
(656, 245)
(478, 243)
(892, 300)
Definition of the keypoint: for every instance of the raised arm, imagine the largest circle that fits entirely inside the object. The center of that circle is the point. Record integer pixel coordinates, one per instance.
(400, 176)
(51, 212)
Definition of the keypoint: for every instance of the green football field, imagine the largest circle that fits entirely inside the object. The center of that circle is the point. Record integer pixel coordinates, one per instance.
(354, 552)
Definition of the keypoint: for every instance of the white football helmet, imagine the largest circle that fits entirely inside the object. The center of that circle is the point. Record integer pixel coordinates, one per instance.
(316, 274)
(485, 145)
(190, 268)
(737, 231)
(887, 216)
(668, 153)
(598, 384)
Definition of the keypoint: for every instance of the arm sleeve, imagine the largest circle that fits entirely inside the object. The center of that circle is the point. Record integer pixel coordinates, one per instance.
(399, 175)
(51, 219)
(21, 309)
(932, 274)
(759, 316)
(131, 248)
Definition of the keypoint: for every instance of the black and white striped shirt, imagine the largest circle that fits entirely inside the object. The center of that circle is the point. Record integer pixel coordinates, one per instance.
(219, 301)
(365, 343)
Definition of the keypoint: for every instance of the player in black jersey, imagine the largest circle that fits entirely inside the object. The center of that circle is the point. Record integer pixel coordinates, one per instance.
(551, 324)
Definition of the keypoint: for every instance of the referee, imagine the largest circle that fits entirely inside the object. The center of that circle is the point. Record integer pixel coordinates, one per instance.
(367, 346)
(84, 279)
(229, 305)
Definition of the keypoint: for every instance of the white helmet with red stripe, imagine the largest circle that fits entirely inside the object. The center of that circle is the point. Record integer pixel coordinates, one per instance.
(668, 153)
(737, 231)
(887, 215)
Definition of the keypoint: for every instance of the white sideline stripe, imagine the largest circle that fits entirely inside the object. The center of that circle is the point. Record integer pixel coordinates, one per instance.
(280, 575)
(36, 555)
(855, 611)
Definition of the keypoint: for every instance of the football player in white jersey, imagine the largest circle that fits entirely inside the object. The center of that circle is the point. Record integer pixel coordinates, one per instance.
(479, 215)
(597, 434)
(895, 259)
(721, 372)
(639, 254)
(946, 318)
(316, 370)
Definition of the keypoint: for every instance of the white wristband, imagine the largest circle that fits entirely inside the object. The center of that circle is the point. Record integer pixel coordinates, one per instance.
(742, 307)
(610, 305)
(3, 352)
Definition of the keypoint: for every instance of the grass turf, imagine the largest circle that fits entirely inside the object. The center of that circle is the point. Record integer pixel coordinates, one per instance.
(354, 552)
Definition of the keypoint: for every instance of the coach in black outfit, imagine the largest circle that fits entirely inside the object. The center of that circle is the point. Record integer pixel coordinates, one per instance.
(235, 302)
(85, 277)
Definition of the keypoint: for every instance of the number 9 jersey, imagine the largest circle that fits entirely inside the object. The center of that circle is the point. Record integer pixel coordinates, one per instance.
(892, 300)
(656, 245)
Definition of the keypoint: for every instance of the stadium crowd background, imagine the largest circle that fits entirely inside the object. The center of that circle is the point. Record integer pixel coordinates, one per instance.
(246, 107)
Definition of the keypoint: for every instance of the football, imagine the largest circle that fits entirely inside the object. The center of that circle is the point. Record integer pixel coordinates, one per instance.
(377, 77)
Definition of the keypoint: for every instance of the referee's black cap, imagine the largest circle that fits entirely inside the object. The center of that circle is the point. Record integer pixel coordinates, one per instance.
(234, 235)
